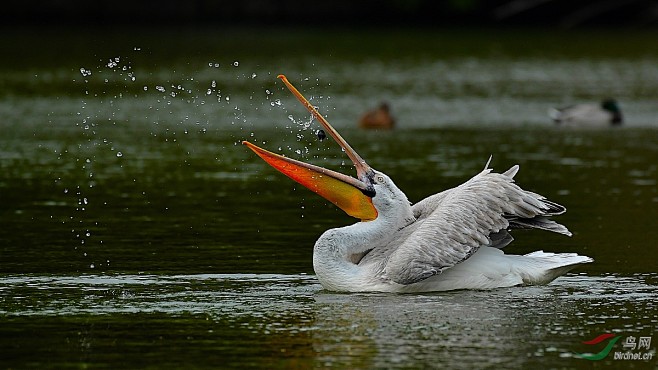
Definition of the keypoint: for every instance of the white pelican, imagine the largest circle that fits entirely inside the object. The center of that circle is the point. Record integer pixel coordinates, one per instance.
(450, 240)
(606, 113)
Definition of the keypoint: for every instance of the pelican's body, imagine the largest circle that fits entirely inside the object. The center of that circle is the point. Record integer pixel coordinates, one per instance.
(607, 113)
(450, 240)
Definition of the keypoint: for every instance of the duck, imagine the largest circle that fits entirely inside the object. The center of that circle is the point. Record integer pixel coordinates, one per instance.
(378, 118)
(606, 113)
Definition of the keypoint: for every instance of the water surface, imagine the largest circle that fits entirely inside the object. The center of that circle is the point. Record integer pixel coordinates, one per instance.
(249, 320)
(138, 232)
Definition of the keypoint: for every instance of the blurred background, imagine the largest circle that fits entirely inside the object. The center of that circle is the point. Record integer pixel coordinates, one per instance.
(548, 13)
(113, 114)
(138, 232)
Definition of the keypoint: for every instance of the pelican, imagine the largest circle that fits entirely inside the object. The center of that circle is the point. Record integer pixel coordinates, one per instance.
(606, 113)
(449, 240)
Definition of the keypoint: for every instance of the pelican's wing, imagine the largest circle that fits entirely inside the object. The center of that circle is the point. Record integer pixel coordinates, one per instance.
(453, 224)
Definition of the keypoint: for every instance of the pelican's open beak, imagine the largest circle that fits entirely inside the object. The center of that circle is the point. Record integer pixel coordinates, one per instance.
(354, 196)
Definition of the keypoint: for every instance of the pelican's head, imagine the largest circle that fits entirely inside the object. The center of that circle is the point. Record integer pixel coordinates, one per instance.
(352, 195)
(390, 200)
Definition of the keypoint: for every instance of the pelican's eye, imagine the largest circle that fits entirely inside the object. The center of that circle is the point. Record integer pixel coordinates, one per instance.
(379, 179)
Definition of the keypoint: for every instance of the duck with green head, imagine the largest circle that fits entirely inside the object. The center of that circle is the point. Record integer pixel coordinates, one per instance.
(607, 113)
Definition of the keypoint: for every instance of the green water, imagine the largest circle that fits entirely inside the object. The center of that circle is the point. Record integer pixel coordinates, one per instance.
(137, 232)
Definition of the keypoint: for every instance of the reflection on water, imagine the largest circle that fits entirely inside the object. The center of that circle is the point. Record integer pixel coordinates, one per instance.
(513, 327)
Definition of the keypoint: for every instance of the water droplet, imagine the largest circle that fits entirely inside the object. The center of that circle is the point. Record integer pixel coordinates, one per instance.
(236, 63)
(253, 75)
(119, 154)
(85, 72)
(92, 266)
(160, 88)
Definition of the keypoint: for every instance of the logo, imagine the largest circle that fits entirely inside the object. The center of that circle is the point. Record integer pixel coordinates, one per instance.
(601, 355)
(634, 348)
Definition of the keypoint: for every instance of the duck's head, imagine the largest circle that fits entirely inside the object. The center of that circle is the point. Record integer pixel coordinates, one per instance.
(352, 195)
(611, 106)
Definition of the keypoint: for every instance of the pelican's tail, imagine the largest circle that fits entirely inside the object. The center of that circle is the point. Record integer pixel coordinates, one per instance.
(542, 268)
(491, 268)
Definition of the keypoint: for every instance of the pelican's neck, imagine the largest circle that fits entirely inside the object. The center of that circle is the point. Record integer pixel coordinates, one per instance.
(337, 252)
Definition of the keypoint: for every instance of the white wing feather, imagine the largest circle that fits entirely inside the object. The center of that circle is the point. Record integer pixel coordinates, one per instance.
(453, 224)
